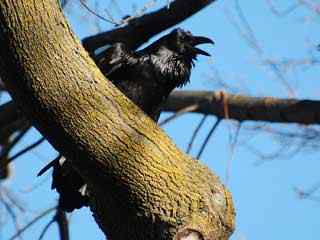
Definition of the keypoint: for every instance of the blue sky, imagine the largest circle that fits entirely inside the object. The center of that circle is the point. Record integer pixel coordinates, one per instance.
(266, 204)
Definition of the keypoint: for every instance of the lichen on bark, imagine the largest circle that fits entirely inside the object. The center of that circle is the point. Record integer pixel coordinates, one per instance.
(142, 186)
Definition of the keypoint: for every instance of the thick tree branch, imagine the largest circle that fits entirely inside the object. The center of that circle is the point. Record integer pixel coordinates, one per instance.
(141, 185)
(243, 108)
(139, 30)
(240, 108)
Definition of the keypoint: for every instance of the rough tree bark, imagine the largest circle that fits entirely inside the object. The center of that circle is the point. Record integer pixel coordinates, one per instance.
(141, 185)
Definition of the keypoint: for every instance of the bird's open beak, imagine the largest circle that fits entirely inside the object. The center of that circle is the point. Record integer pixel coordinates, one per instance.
(197, 40)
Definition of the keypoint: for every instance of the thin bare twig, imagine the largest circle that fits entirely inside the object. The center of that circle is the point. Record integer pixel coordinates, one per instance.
(309, 193)
(281, 13)
(246, 32)
(5, 151)
(195, 133)
(36, 219)
(45, 229)
(14, 201)
(233, 144)
(12, 214)
(179, 113)
(26, 149)
(205, 142)
(96, 14)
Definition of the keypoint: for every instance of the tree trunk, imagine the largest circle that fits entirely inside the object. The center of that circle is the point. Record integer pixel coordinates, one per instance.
(141, 185)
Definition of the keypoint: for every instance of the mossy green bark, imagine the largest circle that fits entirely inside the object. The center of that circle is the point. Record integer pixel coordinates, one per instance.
(142, 186)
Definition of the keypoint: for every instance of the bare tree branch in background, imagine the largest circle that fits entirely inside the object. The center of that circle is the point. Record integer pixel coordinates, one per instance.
(139, 30)
(245, 108)
(32, 222)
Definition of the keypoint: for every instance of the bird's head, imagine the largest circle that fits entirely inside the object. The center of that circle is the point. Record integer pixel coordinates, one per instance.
(185, 44)
(174, 55)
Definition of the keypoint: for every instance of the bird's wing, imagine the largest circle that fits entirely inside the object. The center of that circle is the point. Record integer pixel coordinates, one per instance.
(116, 59)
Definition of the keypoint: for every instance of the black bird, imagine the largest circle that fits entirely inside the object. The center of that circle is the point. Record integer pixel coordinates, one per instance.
(146, 77)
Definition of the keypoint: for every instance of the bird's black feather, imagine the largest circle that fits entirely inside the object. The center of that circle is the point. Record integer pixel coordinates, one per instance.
(146, 77)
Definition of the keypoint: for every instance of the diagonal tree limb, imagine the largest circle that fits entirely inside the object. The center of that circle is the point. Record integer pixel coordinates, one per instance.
(141, 185)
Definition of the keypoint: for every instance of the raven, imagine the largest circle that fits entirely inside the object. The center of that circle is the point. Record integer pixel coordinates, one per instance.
(146, 77)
